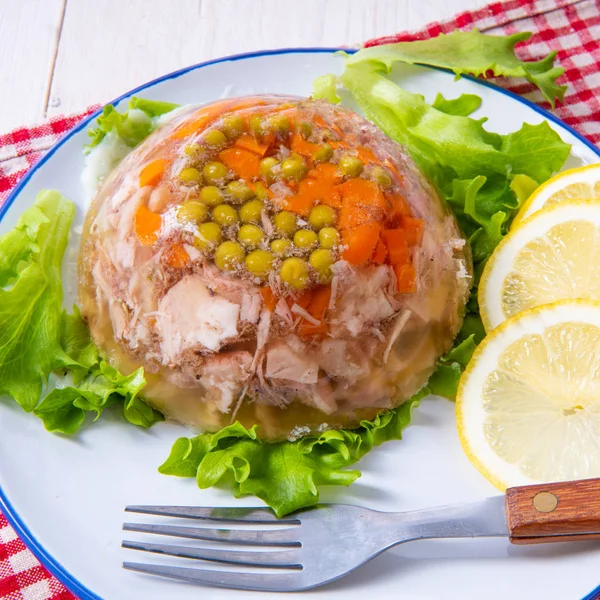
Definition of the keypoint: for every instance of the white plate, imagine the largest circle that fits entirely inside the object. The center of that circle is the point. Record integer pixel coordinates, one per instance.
(66, 496)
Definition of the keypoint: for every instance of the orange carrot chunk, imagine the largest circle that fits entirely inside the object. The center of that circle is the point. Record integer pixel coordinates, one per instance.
(363, 193)
(250, 143)
(147, 226)
(352, 216)
(380, 253)
(399, 208)
(152, 172)
(242, 162)
(360, 242)
(327, 173)
(299, 145)
(305, 328)
(299, 203)
(406, 278)
(398, 251)
(269, 298)
(366, 155)
(320, 301)
(413, 230)
(177, 257)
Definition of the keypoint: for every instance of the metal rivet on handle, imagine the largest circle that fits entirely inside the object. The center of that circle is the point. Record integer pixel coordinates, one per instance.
(545, 502)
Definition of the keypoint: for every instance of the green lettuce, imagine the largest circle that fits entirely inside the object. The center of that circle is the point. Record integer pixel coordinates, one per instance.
(474, 53)
(31, 299)
(285, 475)
(39, 340)
(482, 175)
(131, 126)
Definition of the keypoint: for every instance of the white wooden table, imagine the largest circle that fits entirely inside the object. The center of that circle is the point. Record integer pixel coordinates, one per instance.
(59, 56)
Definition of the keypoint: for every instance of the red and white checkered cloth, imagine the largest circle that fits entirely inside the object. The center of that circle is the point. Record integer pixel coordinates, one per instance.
(572, 27)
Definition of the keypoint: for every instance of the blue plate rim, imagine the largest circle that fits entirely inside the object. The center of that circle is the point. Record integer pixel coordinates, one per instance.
(50, 563)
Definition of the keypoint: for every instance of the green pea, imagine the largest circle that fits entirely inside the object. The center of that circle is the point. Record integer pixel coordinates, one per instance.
(229, 256)
(305, 239)
(381, 177)
(224, 215)
(305, 129)
(214, 172)
(211, 195)
(259, 263)
(190, 176)
(261, 191)
(350, 166)
(239, 192)
(215, 138)
(323, 154)
(285, 222)
(281, 246)
(293, 167)
(321, 260)
(280, 124)
(266, 168)
(294, 271)
(250, 235)
(233, 126)
(251, 211)
(321, 216)
(194, 150)
(192, 211)
(329, 237)
(207, 236)
(256, 125)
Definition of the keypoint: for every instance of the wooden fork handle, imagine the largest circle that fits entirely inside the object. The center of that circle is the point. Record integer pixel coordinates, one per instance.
(554, 512)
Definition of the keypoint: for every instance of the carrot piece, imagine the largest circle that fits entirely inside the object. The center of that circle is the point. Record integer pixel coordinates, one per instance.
(360, 242)
(319, 302)
(300, 203)
(366, 155)
(362, 193)
(250, 143)
(413, 230)
(177, 257)
(147, 225)
(152, 172)
(325, 172)
(399, 208)
(380, 253)
(398, 251)
(306, 329)
(406, 278)
(243, 163)
(303, 300)
(269, 298)
(352, 216)
(210, 113)
(299, 145)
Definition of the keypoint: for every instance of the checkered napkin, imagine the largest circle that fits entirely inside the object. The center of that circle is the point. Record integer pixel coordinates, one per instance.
(572, 27)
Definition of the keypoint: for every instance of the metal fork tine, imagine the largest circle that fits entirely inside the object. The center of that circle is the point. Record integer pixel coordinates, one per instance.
(273, 537)
(261, 581)
(286, 559)
(247, 515)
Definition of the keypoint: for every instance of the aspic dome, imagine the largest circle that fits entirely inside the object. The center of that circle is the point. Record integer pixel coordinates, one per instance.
(273, 260)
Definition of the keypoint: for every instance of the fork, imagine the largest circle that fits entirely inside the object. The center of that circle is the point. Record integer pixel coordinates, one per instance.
(318, 545)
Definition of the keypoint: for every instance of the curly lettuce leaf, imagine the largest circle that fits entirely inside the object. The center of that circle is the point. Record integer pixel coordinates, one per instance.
(462, 106)
(483, 176)
(131, 126)
(38, 339)
(474, 53)
(285, 475)
(31, 299)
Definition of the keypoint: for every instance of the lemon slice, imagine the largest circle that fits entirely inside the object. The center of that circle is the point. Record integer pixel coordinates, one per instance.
(553, 255)
(583, 182)
(528, 404)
